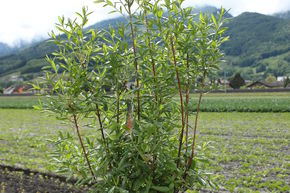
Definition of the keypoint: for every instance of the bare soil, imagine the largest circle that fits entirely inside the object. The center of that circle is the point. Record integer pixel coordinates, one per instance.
(14, 180)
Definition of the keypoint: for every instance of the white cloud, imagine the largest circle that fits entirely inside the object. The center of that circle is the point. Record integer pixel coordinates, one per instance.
(239, 6)
(30, 19)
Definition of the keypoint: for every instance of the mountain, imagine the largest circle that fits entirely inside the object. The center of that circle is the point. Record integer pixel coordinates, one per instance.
(283, 15)
(27, 62)
(259, 45)
(5, 49)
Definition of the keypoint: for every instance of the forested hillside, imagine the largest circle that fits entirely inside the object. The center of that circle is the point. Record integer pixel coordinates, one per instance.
(259, 45)
(284, 15)
(5, 49)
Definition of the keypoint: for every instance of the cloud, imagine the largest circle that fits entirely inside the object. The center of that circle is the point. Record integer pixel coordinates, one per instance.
(30, 19)
(239, 6)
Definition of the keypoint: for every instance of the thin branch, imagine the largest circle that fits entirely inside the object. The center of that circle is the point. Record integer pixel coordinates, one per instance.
(101, 123)
(195, 128)
(151, 55)
(187, 102)
(181, 101)
(81, 141)
(135, 60)
(118, 103)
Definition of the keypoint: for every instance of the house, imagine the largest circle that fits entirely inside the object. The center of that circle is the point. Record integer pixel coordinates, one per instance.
(9, 90)
(21, 89)
(281, 78)
(263, 84)
(27, 89)
(18, 89)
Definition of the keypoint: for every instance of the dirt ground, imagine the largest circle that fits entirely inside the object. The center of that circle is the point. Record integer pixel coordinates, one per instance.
(16, 180)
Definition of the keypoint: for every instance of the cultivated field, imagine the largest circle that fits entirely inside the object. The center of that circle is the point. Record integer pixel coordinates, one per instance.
(250, 150)
(212, 102)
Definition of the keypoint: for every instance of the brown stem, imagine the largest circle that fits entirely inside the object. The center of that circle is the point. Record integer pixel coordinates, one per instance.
(118, 104)
(187, 102)
(194, 135)
(155, 85)
(135, 60)
(151, 56)
(100, 123)
(181, 101)
(81, 142)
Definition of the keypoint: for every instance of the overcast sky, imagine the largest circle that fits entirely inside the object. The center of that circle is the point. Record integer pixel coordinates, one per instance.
(27, 20)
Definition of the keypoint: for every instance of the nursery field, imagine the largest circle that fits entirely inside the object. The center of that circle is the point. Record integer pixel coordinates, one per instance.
(250, 151)
(243, 102)
(213, 102)
(18, 102)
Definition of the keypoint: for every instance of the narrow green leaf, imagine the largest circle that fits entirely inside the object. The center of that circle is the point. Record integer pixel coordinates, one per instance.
(161, 188)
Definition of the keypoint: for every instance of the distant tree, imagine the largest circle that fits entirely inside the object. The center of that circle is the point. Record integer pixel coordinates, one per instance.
(286, 81)
(261, 68)
(270, 78)
(1, 90)
(237, 81)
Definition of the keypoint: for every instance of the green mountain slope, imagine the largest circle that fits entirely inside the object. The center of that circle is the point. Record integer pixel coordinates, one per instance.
(259, 45)
(27, 62)
(5, 49)
(284, 15)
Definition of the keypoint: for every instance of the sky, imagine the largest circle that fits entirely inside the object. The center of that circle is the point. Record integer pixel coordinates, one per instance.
(31, 20)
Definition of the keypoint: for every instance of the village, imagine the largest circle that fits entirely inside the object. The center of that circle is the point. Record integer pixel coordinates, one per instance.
(270, 84)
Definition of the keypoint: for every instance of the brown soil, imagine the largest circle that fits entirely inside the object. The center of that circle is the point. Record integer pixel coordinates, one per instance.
(14, 180)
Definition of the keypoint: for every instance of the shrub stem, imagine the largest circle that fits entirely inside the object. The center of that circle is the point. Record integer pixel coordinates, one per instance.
(195, 128)
(181, 101)
(187, 102)
(151, 55)
(100, 123)
(135, 60)
(81, 142)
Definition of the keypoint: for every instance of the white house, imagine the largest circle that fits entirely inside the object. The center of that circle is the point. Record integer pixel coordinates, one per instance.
(281, 78)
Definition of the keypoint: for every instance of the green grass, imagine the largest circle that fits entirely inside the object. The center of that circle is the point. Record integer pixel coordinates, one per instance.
(243, 102)
(250, 150)
(18, 102)
(213, 102)
(24, 135)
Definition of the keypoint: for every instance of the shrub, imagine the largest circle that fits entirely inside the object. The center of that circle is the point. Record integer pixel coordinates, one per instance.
(237, 81)
(286, 82)
(270, 78)
(136, 147)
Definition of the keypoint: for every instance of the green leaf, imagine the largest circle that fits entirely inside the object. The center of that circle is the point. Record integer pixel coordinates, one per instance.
(36, 87)
(93, 35)
(53, 66)
(214, 20)
(99, 1)
(160, 13)
(161, 188)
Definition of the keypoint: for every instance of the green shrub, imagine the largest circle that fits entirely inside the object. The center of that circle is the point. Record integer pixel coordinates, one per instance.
(136, 147)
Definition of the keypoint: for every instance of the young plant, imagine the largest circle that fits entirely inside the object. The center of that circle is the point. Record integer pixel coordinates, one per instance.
(164, 49)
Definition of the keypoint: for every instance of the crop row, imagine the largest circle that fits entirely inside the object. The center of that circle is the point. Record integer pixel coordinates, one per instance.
(239, 102)
(243, 104)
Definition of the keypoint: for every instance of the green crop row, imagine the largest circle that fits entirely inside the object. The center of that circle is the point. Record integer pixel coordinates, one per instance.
(238, 104)
(216, 102)
(18, 102)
